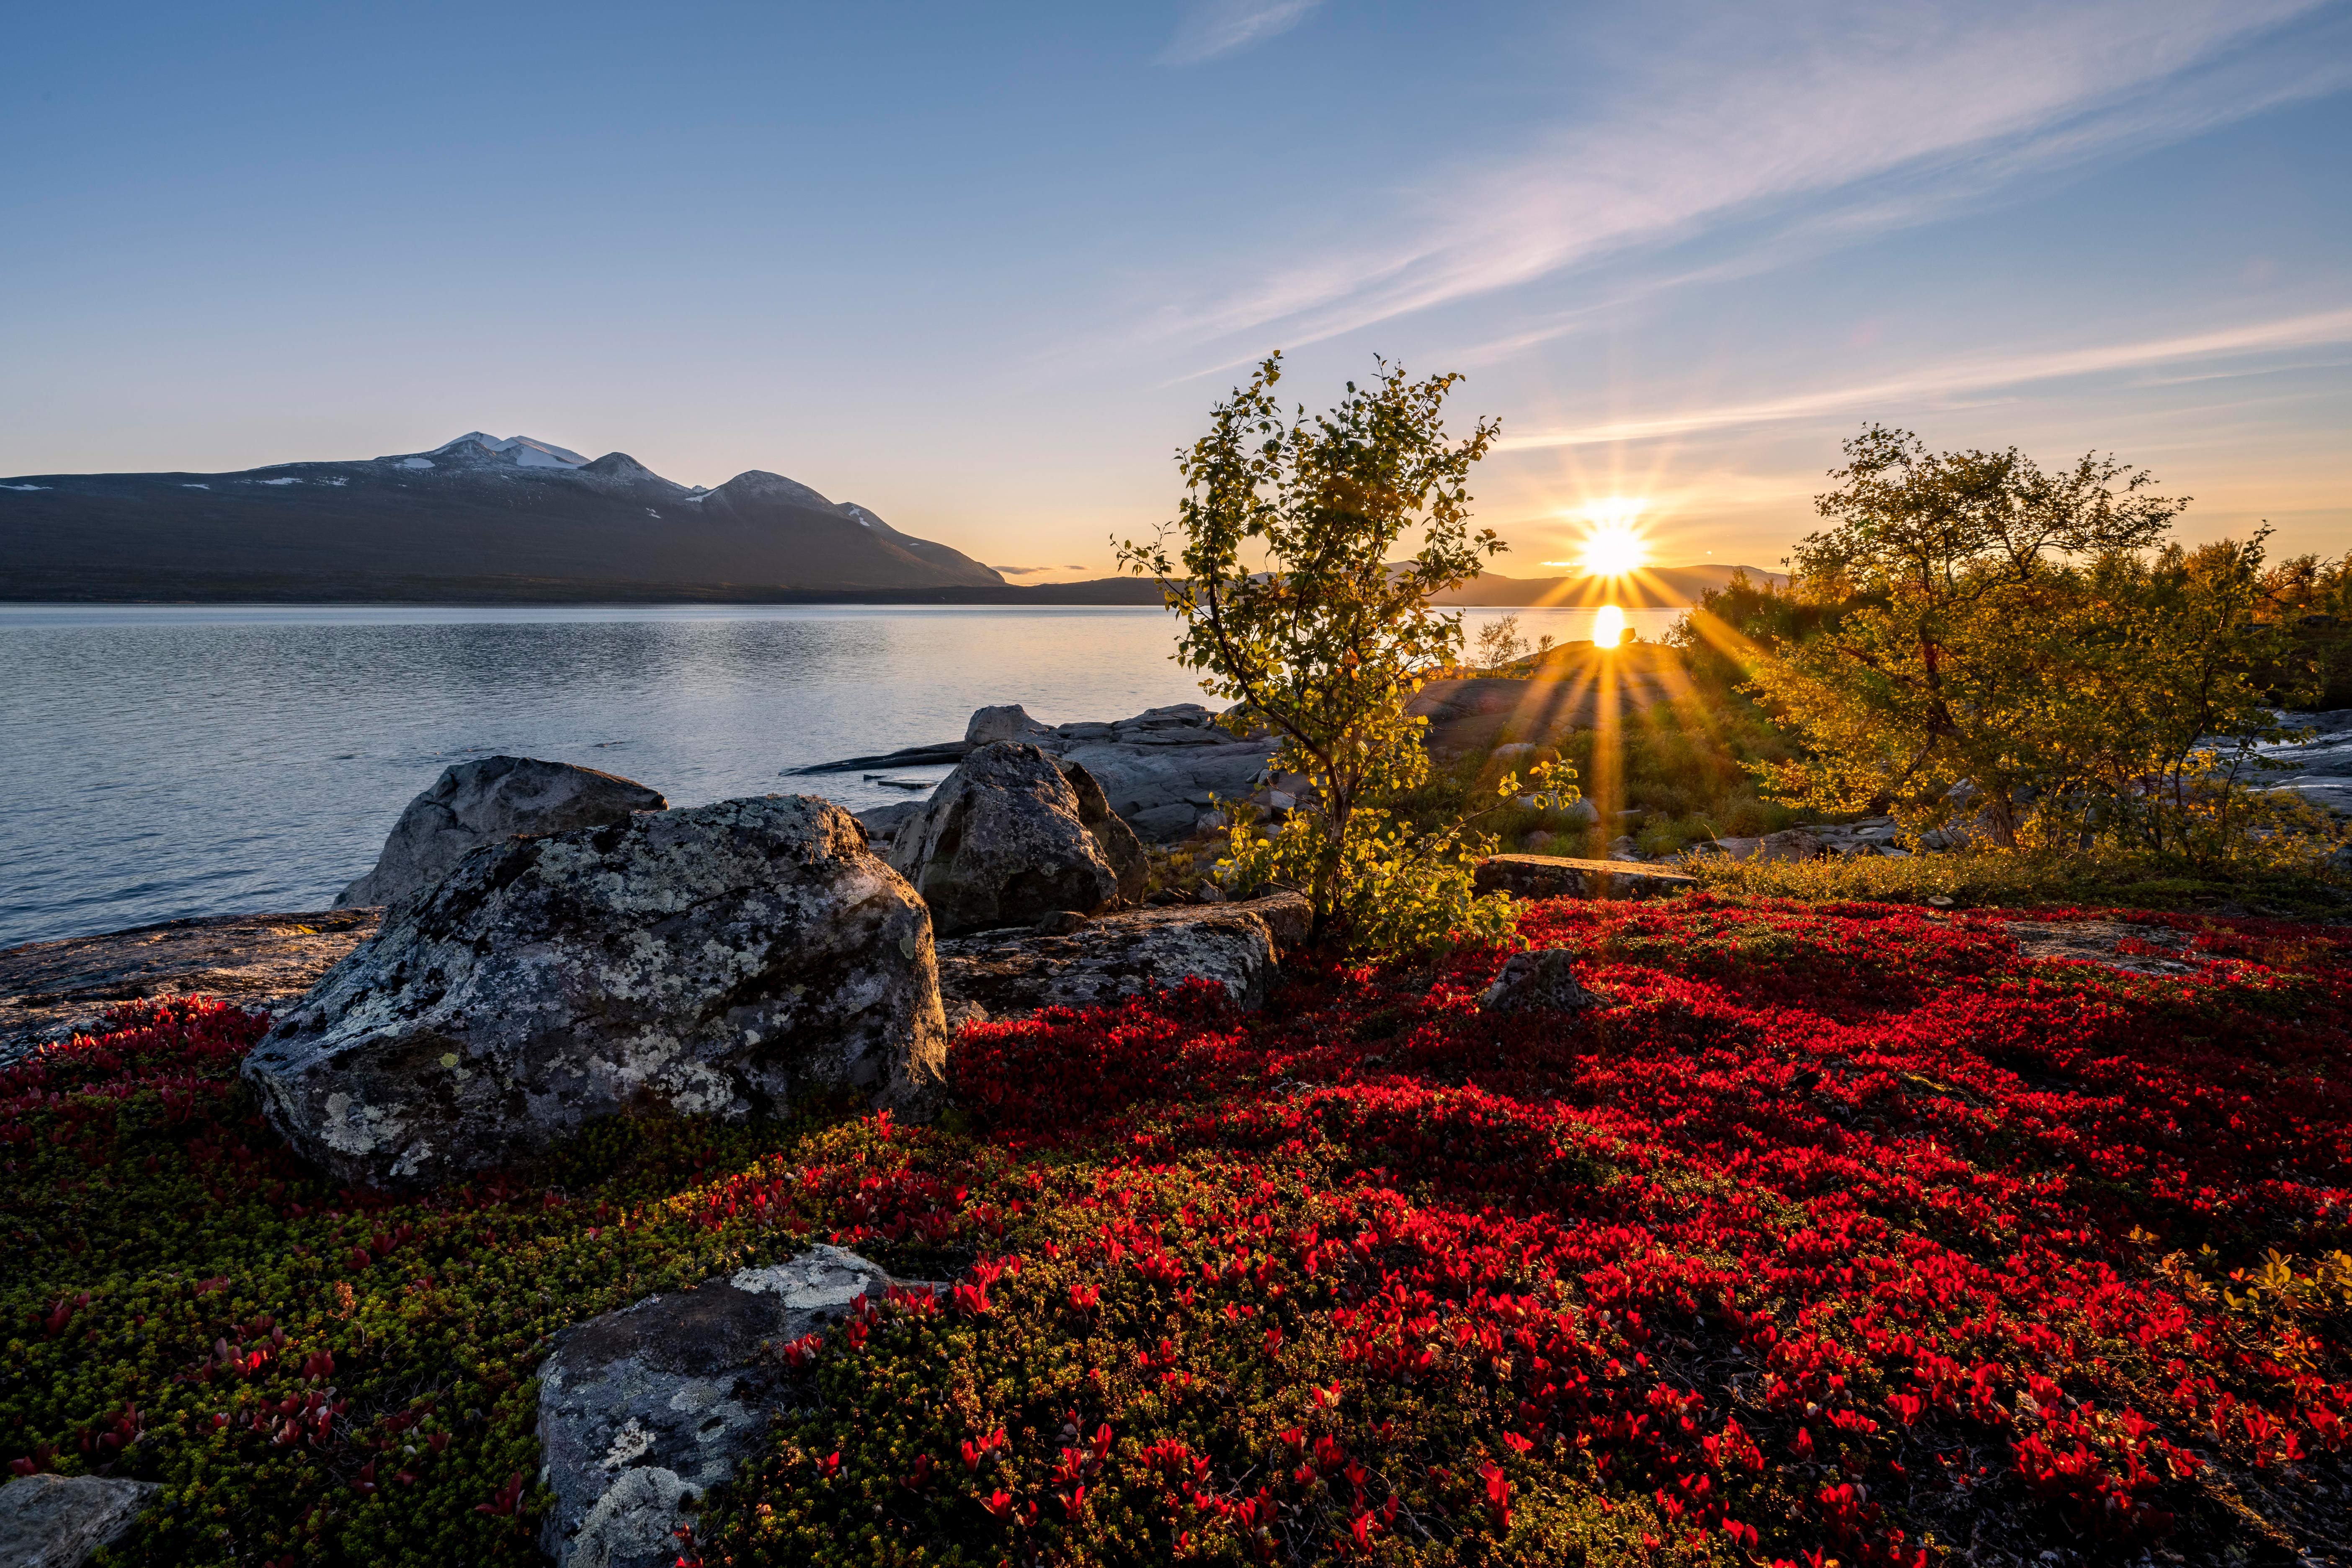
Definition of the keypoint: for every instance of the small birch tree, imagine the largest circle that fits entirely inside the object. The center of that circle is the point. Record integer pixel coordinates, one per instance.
(1283, 564)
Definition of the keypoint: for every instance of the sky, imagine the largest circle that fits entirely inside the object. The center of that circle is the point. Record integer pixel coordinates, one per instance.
(984, 268)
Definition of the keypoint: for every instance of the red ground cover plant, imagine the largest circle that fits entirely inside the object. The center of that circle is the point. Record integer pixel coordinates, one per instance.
(1838, 1234)
(1841, 1233)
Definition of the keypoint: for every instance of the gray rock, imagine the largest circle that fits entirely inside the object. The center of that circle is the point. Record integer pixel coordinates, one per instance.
(657, 1402)
(1541, 981)
(882, 823)
(57, 1521)
(1156, 769)
(1008, 722)
(265, 963)
(1161, 767)
(1001, 842)
(1791, 843)
(1109, 960)
(1111, 834)
(719, 961)
(1560, 877)
(495, 797)
(1288, 916)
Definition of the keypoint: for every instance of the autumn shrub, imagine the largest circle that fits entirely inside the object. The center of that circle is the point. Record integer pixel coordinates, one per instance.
(1839, 1231)
(1282, 570)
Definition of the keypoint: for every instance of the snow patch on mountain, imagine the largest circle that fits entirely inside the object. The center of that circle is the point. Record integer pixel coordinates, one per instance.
(416, 462)
(27, 487)
(524, 451)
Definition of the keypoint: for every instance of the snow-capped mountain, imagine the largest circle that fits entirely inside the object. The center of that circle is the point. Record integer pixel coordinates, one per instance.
(480, 515)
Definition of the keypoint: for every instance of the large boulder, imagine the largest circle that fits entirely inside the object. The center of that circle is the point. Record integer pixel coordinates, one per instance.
(489, 799)
(655, 1403)
(1003, 842)
(58, 1521)
(1008, 722)
(1112, 836)
(719, 961)
(1162, 769)
(1102, 963)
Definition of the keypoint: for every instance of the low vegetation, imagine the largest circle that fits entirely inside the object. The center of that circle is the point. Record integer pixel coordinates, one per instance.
(1838, 1232)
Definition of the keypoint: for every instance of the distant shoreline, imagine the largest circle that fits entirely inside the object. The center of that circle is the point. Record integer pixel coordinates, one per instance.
(1666, 588)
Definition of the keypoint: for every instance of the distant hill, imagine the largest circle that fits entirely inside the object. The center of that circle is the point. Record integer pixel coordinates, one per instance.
(485, 520)
(1653, 588)
(475, 519)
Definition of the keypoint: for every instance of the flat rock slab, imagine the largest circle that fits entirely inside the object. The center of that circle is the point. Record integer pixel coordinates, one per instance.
(657, 1403)
(49, 989)
(1476, 714)
(1104, 961)
(1557, 877)
(57, 1521)
(2100, 941)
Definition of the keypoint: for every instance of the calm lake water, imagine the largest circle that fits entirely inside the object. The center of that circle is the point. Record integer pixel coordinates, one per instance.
(160, 762)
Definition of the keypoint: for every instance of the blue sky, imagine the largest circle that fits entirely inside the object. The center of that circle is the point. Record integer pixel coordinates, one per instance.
(983, 267)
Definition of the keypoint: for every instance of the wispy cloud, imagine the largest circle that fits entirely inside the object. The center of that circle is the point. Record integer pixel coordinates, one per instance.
(1029, 571)
(1217, 28)
(1861, 124)
(1959, 377)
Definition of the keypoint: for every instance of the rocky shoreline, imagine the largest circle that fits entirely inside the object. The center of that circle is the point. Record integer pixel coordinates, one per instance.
(1155, 779)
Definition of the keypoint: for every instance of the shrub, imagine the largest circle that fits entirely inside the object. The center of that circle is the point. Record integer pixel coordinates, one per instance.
(1281, 573)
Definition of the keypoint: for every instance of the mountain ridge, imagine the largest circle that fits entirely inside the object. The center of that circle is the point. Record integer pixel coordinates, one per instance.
(516, 520)
(479, 517)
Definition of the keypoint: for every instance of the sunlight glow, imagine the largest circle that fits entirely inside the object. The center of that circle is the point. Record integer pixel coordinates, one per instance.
(1608, 627)
(1613, 545)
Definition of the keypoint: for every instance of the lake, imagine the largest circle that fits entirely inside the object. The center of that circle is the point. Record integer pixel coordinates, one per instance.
(162, 761)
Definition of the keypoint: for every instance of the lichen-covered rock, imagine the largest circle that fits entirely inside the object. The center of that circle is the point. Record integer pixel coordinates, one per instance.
(658, 1402)
(720, 960)
(488, 799)
(1001, 842)
(1105, 961)
(1287, 915)
(1541, 981)
(57, 1521)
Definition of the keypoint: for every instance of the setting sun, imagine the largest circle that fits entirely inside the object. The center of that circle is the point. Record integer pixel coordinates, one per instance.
(1613, 545)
